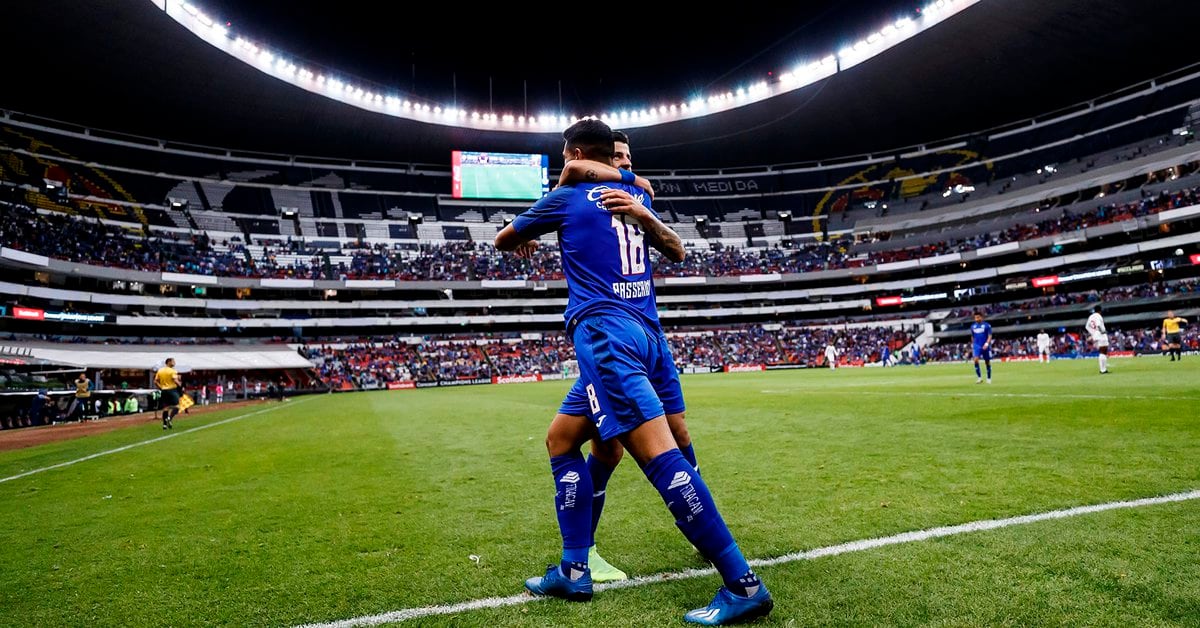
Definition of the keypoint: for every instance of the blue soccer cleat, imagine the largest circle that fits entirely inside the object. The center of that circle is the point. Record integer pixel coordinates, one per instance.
(727, 608)
(555, 584)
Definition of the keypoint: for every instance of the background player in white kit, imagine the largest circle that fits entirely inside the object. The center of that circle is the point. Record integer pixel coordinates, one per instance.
(831, 354)
(1095, 328)
(1043, 347)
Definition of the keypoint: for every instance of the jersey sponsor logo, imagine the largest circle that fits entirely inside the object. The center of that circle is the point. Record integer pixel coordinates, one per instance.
(593, 195)
(632, 289)
(680, 479)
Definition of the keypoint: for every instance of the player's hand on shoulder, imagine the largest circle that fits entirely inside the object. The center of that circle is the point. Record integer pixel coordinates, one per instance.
(526, 250)
(621, 202)
(644, 183)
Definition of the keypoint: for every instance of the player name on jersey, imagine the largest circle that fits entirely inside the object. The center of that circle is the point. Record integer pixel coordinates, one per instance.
(632, 289)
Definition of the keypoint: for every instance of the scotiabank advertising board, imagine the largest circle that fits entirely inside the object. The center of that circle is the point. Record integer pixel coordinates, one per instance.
(517, 379)
(744, 368)
(406, 385)
(29, 313)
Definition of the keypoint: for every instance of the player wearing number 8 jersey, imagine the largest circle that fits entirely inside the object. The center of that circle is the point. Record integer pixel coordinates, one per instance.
(573, 421)
(623, 354)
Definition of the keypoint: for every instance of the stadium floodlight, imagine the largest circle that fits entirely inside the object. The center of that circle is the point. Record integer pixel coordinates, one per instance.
(785, 216)
(415, 219)
(178, 203)
(288, 212)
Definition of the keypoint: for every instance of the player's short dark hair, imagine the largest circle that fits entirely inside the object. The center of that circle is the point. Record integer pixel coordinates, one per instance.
(977, 313)
(620, 136)
(1096, 308)
(593, 137)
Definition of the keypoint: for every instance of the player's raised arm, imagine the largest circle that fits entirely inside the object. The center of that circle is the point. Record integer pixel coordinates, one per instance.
(544, 217)
(661, 237)
(509, 240)
(586, 171)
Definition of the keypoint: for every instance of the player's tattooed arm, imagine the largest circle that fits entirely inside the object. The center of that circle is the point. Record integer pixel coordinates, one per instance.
(660, 236)
(586, 171)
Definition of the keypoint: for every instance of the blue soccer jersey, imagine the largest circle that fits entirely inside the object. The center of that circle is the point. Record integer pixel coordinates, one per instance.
(980, 332)
(604, 255)
(627, 375)
(979, 335)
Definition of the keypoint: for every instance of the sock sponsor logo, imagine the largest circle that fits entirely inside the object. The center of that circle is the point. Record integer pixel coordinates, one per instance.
(571, 491)
(679, 480)
(692, 500)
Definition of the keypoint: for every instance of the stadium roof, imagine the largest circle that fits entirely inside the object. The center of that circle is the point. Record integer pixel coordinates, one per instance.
(127, 66)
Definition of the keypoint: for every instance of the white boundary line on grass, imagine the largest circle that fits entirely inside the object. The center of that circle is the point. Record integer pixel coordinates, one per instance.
(147, 442)
(833, 550)
(975, 394)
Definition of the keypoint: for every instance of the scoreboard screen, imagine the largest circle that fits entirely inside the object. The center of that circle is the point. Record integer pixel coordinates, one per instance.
(518, 176)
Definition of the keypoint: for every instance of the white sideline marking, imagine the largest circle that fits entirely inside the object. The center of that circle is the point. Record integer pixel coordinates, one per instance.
(147, 442)
(977, 394)
(832, 550)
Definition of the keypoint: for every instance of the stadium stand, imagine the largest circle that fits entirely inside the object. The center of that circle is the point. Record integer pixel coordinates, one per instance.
(377, 277)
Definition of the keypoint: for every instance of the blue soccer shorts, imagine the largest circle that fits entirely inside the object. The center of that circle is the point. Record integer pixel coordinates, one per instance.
(980, 352)
(627, 375)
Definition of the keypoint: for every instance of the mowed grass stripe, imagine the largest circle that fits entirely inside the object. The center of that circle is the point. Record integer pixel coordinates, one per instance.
(170, 434)
(823, 552)
(352, 505)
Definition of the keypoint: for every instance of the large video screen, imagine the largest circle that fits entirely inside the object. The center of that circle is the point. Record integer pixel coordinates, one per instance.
(500, 175)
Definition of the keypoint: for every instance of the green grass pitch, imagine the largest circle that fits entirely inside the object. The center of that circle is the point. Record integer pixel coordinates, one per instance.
(340, 506)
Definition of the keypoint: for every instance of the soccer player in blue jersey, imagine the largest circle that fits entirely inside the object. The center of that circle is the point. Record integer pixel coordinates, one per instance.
(571, 423)
(981, 346)
(625, 360)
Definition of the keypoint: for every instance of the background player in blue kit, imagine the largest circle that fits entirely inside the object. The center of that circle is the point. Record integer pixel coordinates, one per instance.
(623, 355)
(981, 346)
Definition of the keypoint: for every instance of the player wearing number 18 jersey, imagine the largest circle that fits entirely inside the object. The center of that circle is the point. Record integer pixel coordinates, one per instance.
(623, 355)
(573, 421)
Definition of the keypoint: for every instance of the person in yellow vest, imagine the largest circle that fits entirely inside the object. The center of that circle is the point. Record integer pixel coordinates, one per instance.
(168, 381)
(1171, 327)
(83, 397)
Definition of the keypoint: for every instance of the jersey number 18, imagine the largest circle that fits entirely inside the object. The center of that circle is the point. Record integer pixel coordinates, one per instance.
(630, 246)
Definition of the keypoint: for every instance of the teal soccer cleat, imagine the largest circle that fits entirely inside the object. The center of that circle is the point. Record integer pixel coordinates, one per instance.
(555, 584)
(727, 608)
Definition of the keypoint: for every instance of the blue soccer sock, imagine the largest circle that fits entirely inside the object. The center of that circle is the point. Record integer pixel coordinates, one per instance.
(696, 515)
(600, 473)
(989, 369)
(573, 487)
(977, 373)
(689, 454)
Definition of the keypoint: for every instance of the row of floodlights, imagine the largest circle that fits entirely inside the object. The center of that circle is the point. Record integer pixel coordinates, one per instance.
(284, 68)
